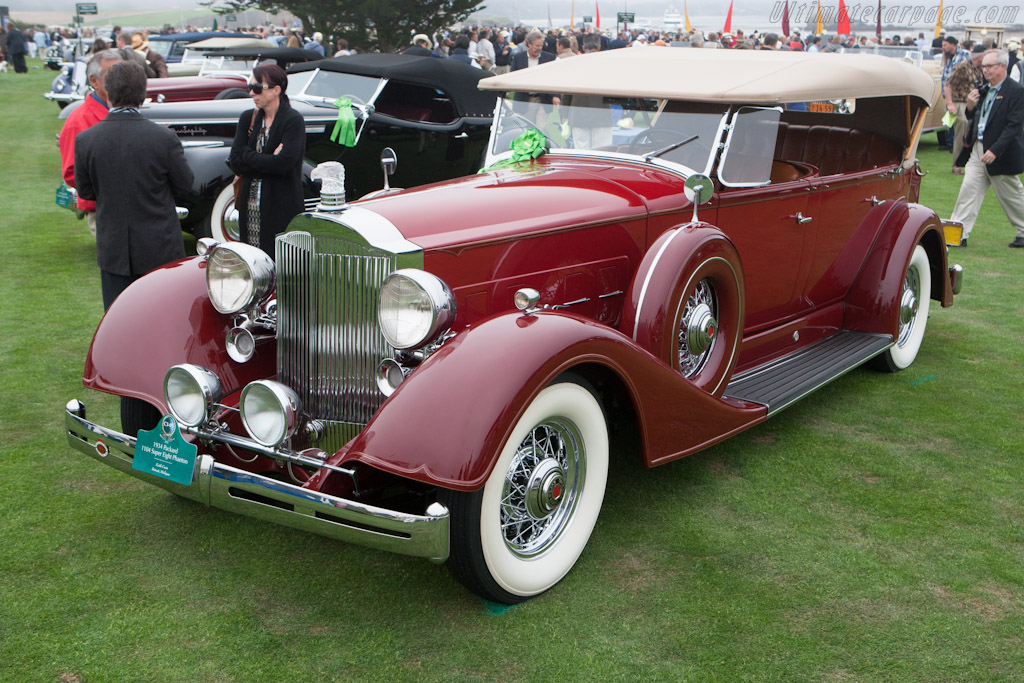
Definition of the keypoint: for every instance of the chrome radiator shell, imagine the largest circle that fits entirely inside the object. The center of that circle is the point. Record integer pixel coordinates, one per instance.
(330, 268)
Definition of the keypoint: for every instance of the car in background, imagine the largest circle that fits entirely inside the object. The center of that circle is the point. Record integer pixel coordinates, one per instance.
(196, 55)
(446, 371)
(172, 46)
(428, 110)
(223, 75)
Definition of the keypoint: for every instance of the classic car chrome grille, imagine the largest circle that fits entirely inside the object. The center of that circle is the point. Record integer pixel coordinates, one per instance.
(328, 340)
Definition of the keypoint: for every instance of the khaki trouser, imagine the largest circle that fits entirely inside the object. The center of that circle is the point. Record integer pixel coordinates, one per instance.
(959, 129)
(1008, 189)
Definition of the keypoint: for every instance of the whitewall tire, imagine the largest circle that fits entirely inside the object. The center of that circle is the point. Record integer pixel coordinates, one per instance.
(913, 310)
(525, 529)
(223, 219)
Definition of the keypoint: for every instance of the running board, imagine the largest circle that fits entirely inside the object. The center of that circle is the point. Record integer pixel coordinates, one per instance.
(785, 381)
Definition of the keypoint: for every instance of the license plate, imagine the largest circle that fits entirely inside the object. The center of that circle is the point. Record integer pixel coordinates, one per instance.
(163, 452)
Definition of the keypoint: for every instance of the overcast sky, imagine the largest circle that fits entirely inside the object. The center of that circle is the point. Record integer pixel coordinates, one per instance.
(754, 13)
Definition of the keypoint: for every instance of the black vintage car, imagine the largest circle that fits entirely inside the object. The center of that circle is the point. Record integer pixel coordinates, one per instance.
(428, 110)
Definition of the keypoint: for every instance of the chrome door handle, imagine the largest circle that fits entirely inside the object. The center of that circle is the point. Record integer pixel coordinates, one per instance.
(875, 201)
(801, 218)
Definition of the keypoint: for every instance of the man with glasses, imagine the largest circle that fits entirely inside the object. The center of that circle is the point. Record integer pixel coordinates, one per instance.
(996, 138)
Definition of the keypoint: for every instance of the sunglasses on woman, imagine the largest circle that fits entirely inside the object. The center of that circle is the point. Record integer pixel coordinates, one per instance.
(257, 88)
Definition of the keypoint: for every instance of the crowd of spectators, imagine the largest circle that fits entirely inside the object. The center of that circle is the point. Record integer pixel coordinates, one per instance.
(492, 48)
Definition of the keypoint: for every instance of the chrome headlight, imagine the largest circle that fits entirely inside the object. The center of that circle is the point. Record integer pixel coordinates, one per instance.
(238, 276)
(191, 392)
(415, 307)
(270, 411)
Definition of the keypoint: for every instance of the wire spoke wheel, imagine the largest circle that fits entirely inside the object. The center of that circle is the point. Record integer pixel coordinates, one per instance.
(523, 531)
(542, 487)
(698, 329)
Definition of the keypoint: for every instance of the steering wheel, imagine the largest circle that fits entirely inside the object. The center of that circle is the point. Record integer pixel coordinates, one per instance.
(655, 138)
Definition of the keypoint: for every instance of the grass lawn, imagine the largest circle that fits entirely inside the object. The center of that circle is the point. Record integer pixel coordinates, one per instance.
(872, 532)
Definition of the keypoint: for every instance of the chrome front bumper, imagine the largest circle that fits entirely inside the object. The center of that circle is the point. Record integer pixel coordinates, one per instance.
(229, 488)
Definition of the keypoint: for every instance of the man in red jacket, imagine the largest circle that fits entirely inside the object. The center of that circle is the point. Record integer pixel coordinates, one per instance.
(89, 113)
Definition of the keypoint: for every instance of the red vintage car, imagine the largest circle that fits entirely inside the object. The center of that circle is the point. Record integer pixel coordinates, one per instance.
(436, 371)
(223, 75)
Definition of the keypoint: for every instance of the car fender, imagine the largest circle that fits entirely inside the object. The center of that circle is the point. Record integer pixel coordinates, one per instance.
(650, 311)
(872, 304)
(210, 169)
(446, 424)
(160, 320)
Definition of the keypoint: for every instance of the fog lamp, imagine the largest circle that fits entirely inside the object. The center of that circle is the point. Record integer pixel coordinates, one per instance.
(270, 411)
(191, 392)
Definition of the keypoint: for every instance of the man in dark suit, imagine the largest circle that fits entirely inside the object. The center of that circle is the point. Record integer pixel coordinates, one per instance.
(538, 107)
(996, 138)
(16, 48)
(131, 167)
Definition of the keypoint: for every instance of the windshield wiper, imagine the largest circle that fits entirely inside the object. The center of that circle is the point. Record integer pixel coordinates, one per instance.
(669, 148)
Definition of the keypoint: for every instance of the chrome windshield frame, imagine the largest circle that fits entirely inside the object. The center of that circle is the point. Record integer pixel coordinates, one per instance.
(677, 168)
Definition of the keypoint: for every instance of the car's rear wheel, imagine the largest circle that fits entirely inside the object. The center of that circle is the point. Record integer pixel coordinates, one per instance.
(232, 94)
(913, 310)
(524, 530)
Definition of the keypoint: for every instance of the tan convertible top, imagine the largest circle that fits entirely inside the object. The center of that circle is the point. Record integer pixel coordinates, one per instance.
(726, 76)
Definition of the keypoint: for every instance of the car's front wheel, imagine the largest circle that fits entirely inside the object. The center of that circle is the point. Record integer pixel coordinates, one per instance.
(137, 415)
(222, 223)
(913, 309)
(524, 530)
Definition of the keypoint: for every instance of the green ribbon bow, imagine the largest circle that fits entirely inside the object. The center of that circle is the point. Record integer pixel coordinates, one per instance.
(344, 132)
(529, 145)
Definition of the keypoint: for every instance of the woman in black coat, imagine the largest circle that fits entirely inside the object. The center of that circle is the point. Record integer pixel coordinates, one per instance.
(270, 143)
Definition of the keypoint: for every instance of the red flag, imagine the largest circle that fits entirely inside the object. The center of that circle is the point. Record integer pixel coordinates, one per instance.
(728, 20)
(597, 14)
(785, 19)
(844, 20)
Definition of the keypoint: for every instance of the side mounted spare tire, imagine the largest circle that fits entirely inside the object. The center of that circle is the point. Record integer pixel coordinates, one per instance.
(686, 305)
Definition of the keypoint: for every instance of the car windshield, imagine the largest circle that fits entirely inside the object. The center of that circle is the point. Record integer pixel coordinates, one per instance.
(161, 47)
(226, 65)
(681, 133)
(327, 86)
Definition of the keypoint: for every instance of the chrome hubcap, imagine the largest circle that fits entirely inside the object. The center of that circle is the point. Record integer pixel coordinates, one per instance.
(542, 487)
(909, 305)
(698, 329)
(546, 488)
(702, 328)
(230, 221)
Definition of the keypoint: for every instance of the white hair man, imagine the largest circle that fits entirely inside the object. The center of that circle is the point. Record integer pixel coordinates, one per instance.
(89, 113)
